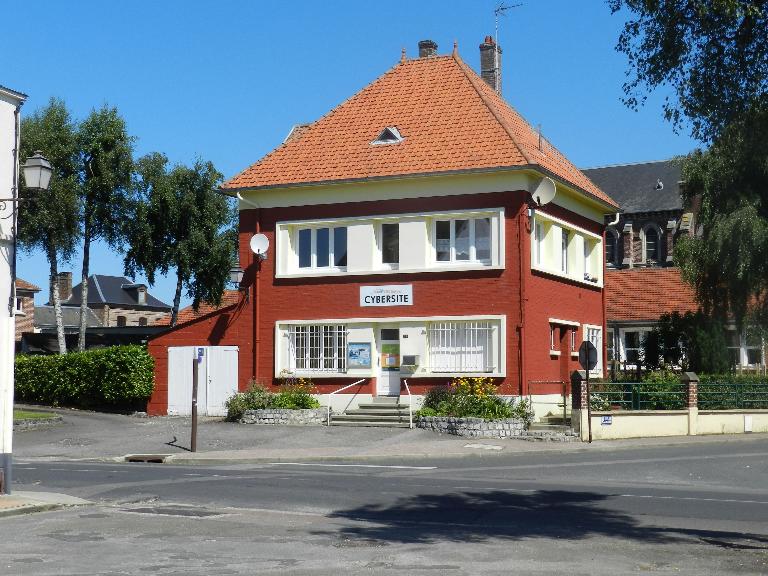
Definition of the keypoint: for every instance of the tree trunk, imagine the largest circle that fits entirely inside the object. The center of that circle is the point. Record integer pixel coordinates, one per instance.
(176, 300)
(52, 260)
(84, 285)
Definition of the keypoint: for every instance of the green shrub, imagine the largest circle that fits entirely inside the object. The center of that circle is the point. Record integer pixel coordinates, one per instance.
(256, 397)
(473, 398)
(293, 395)
(116, 377)
(434, 396)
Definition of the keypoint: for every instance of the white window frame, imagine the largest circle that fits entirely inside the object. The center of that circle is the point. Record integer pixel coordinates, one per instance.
(335, 363)
(18, 308)
(588, 331)
(642, 331)
(550, 257)
(287, 244)
(313, 248)
(615, 236)
(473, 259)
(380, 245)
(465, 336)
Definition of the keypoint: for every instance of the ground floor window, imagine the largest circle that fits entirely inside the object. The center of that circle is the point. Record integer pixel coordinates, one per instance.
(610, 346)
(594, 334)
(460, 346)
(318, 348)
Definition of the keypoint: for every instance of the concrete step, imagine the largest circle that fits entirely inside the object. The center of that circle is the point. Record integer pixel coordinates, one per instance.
(367, 423)
(552, 434)
(550, 427)
(382, 406)
(351, 417)
(386, 399)
(555, 420)
(379, 411)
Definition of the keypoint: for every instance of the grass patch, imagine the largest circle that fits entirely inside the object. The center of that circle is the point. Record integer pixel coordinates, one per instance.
(28, 415)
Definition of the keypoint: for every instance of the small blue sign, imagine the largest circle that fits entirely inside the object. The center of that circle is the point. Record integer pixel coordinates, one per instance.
(607, 420)
(200, 354)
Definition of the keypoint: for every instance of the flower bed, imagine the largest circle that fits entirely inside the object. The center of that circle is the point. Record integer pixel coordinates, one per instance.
(285, 416)
(473, 427)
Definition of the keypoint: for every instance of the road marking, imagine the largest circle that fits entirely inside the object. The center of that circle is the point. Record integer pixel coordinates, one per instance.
(353, 466)
(695, 498)
(484, 446)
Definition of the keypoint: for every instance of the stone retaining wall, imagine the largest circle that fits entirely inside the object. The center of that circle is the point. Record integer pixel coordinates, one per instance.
(472, 427)
(305, 417)
(35, 423)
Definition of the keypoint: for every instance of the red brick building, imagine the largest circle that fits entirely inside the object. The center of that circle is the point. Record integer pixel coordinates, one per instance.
(405, 243)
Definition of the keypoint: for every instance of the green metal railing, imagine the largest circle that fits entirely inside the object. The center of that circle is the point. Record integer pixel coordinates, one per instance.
(637, 396)
(724, 395)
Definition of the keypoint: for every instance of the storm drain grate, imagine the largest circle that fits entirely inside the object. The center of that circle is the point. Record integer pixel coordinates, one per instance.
(147, 458)
(186, 511)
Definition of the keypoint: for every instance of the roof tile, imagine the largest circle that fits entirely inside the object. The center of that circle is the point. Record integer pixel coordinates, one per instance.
(450, 121)
(646, 294)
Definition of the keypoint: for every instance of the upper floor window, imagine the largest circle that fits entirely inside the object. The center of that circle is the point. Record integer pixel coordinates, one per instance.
(565, 250)
(390, 244)
(651, 245)
(463, 240)
(121, 321)
(19, 307)
(322, 247)
(143, 321)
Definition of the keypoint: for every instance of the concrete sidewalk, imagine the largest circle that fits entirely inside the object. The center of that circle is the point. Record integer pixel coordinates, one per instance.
(20, 502)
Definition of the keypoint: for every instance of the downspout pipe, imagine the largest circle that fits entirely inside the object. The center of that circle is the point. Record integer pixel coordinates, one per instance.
(615, 220)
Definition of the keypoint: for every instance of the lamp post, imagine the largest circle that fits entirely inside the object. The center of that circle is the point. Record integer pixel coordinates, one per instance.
(37, 176)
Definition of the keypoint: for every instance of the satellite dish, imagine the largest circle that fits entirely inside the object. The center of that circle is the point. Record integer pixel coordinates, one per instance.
(259, 245)
(545, 191)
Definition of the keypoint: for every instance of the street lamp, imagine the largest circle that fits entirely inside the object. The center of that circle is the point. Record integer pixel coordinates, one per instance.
(37, 171)
(37, 176)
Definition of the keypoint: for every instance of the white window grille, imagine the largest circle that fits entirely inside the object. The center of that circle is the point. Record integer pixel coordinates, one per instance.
(460, 346)
(318, 348)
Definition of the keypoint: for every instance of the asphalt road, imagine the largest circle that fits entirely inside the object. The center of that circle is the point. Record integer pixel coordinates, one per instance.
(695, 509)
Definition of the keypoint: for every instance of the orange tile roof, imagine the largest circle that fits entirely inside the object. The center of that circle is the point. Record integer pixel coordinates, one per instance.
(24, 285)
(451, 120)
(228, 298)
(646, 294)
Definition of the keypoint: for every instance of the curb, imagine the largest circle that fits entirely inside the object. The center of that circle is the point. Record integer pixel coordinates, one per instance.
(23, 509)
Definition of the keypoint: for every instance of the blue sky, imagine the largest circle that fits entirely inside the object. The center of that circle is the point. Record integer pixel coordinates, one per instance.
(226, 80)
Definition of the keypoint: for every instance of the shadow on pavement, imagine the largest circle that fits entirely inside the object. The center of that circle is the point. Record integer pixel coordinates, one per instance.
(479, 516)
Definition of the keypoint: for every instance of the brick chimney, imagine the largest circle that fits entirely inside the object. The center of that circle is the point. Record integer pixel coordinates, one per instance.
(64, 280)
(488, 64)
(427, 48)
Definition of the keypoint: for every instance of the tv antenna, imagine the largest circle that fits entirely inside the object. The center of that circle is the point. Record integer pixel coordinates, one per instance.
(500, 10)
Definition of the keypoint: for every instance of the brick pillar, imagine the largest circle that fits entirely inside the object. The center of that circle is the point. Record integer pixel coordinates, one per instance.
(579, 389)
(627, 240)
(691, 383)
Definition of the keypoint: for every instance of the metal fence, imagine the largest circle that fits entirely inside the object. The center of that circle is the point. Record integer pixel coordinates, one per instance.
(725, 395)
(637, 396)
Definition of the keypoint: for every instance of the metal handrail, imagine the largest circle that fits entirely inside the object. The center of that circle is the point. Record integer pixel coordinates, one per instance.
(328, 416)
(410, 402)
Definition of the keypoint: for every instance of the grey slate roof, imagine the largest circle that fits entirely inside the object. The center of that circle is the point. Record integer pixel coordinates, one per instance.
(115, 291)
(45, 317)
(634, 186)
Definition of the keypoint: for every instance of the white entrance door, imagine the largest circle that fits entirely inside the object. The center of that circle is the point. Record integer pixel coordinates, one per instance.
(388, 382)
(217, 378)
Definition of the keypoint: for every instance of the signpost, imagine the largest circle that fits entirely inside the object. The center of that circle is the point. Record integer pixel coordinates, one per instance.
(588, 360)
(195, 378)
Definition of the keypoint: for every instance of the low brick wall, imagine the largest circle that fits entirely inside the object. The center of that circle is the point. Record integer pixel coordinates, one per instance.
(306, 417)
(472, 427)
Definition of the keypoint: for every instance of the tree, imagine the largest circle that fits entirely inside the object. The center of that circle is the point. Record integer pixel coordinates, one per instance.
(180, 222)
(49, 220)
(105, 163)
(712, 53)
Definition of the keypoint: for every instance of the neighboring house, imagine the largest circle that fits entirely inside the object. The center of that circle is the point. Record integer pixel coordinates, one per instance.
(25, 307)
(187, 314)
(405, 245)
(652, 217)
(45, 319)
(641, 281)
(116, 300)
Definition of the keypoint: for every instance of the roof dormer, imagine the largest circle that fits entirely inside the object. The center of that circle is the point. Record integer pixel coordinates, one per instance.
(390, 135)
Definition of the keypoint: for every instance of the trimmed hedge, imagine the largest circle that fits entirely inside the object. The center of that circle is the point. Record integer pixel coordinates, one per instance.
(118, 377)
